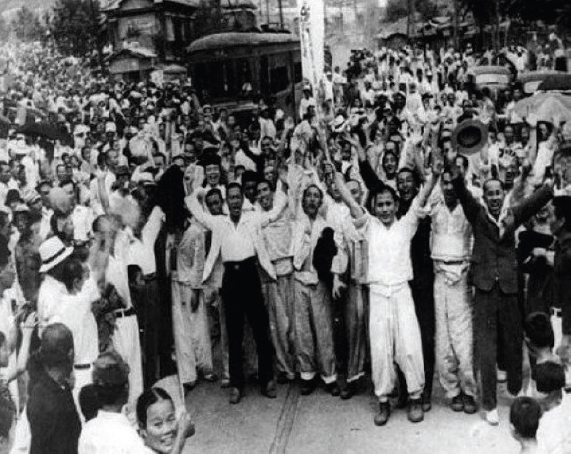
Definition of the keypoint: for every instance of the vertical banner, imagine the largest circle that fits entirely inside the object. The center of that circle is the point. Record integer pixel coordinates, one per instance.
(312, 36)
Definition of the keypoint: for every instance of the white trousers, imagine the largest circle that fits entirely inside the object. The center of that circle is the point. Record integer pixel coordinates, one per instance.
(191, 334)
(394, 336)
(454, 334)
(127, 343)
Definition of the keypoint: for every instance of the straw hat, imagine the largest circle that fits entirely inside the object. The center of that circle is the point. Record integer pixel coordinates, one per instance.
(53, 252)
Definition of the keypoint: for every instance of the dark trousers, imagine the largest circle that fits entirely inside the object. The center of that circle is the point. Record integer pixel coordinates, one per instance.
(424, 307)
(242, 296)
(498, 331)
(146, 301)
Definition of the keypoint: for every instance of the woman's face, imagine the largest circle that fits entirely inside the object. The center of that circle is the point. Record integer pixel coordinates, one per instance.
(160, 432)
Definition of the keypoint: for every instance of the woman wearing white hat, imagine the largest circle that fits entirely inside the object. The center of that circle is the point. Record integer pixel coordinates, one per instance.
(53, 254)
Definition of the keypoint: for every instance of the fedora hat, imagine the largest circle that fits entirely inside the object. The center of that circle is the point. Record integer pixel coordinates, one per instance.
(53, 252)
(470, 136)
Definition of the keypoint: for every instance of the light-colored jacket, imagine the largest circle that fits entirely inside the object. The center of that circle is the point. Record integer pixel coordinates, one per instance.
(252, 220)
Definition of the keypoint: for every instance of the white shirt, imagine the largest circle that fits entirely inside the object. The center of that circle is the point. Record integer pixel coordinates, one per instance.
(237, 241)
(45, 226)
(110, 433)
(241, 159)
(389, 248)
(82, 218)
(94, 192)
(451, 233)
(142, 251)
(50, 294)
(74, 311)
(554, 431)
(116, 273)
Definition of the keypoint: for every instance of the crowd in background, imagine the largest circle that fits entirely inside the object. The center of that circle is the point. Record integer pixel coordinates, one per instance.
(147, 233)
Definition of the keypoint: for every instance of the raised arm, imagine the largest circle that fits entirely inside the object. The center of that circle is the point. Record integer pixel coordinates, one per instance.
(280, 203)
(469, 204)
(199, 213)
(355, 209)
(427, 189)
(532, 204)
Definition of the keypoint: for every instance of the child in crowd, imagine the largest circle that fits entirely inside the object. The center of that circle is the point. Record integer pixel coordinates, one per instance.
(524, 421)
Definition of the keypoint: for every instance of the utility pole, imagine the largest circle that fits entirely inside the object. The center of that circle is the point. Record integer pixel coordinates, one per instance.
(281, 14)
(455, 24)
(411, 19)
(497, 33)
(268, 12)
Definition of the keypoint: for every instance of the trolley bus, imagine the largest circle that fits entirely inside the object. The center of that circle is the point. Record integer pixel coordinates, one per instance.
(236, 69)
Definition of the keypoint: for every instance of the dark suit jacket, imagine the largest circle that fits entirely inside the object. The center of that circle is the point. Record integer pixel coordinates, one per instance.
(54, 422)
(562, 277)
(494, 258)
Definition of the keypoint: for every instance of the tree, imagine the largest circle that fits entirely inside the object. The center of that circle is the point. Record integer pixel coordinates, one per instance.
(27, 25)
(208, 18)
(75, 26)
(397, 9)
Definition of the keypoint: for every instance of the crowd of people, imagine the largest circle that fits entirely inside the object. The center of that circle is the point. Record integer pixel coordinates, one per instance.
(354, 238)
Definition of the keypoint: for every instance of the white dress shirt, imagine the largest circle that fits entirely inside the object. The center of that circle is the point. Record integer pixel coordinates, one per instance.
(554, 431)
(110, 433)
(116, 273)
(389, 248)
(74, 311)
(50, 294)
(451, 233)
(142, 250)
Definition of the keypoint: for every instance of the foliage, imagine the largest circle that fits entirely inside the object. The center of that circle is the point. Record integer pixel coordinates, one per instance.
(397, 9)
(4, 29)
(75, 26)
(27, 25)
(208, 18)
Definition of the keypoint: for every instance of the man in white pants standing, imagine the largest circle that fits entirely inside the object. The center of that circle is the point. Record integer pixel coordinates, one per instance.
(393, 327)
(451, 249)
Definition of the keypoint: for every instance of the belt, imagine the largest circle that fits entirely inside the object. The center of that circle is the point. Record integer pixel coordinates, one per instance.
(150, 277)
(556, 312)
(454, 262)
(81, 366)
(238, 266)
(125, 312)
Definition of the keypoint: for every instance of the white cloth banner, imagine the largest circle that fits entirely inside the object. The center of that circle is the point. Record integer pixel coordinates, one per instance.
(312, 36)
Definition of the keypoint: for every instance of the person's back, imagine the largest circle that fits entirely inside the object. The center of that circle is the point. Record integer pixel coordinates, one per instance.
(110, 432)
(554, 431)
(51, 411)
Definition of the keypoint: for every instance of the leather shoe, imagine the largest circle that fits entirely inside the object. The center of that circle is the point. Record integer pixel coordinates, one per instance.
(383, 415)
(426, 403)
(349, 390)
(457, 403)
(235, 395)
(283, 379)
(307, 387)
(270, 390)
(470, 406)
(333, 389)
(414, 411)
(188, 387)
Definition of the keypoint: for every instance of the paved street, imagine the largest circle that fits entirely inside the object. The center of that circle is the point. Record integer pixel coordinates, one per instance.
(323, 424)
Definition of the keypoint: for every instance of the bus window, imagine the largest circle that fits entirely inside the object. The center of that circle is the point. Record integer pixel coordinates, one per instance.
(279, 79)
(298, 74)
(243, 82)
(264, 82)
